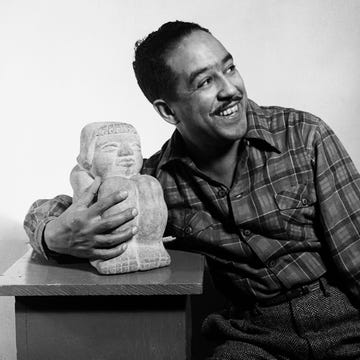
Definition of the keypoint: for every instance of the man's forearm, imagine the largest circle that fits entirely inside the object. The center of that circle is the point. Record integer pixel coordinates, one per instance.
(80, 228)
(39, 215)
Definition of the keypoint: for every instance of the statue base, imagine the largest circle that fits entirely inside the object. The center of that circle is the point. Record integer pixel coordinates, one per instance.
(135, 258)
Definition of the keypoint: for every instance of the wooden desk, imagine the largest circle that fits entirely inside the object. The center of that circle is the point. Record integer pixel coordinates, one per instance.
(68, 311)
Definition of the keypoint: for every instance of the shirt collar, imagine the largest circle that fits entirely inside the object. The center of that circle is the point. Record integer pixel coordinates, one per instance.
(258, 126)
(174, 149)
(258, 130)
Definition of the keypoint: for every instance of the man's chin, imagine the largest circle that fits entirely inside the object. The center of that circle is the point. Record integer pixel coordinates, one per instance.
(234, 127)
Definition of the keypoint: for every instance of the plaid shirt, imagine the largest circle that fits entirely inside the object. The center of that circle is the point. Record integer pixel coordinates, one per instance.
(291, 215)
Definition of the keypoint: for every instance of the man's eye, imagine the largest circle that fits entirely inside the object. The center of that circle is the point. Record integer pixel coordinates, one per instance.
(230, 69)
(204, 82)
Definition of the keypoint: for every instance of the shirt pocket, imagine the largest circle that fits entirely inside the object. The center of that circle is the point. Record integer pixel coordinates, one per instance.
(196, 229)
(296, 203)
(196, 223)
(189, 222)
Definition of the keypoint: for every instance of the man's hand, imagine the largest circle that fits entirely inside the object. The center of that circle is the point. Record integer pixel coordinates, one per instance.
(81, 230)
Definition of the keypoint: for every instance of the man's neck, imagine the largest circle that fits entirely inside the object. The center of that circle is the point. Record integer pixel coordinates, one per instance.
(219, 163)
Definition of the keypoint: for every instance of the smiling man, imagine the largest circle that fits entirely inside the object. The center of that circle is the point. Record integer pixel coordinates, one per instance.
(268, 194)
(209, 103)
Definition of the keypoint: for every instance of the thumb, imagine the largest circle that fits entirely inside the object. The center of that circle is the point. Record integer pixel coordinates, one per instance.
(88, 195)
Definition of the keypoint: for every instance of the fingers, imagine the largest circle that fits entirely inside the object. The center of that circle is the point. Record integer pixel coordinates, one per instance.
(107, 202)
(108, 224)
(103, 246)
(112, 240)
(105, 254)
(112, 245)
(88, 196)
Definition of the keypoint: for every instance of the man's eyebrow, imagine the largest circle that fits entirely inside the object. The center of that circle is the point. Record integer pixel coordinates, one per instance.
(228, 57)
(196, 73)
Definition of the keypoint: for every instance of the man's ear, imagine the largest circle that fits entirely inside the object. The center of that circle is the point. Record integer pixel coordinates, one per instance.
(165, 111)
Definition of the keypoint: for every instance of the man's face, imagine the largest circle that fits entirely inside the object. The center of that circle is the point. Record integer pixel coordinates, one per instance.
(210, 101)
(117, 155)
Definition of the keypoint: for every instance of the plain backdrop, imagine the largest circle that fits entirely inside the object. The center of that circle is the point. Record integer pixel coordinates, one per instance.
(66, 63)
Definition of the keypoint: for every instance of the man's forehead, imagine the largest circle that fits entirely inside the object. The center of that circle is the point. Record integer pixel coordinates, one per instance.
(195, 52)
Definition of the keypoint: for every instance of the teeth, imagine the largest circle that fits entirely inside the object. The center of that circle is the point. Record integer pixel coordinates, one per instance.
(229, 111)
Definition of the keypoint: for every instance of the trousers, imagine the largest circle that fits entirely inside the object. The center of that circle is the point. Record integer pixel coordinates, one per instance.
(323, 324)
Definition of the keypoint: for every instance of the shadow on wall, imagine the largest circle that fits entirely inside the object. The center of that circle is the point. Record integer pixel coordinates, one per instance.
(13, 244)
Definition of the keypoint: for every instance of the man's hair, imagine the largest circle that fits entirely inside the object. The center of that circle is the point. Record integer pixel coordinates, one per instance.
(154, 76)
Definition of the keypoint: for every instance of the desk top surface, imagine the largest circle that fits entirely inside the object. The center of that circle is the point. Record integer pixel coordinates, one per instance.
(32, 275)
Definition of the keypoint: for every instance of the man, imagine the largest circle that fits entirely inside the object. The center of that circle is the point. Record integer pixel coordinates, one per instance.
(268, 194)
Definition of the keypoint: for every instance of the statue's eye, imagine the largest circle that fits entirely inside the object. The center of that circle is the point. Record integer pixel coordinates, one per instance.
(109, 147)
(135, 146)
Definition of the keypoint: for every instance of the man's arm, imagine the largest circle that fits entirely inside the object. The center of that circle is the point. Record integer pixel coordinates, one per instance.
(79, 229)
(338, 191)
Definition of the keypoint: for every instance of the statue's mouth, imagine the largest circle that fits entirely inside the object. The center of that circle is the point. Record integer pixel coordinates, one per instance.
(125, 162)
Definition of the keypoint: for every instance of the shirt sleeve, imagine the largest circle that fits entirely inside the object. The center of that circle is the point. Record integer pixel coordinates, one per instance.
(338, 190)
(40, 213)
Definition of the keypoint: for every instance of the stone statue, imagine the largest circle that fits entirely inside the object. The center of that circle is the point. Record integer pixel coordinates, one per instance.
(112, 151)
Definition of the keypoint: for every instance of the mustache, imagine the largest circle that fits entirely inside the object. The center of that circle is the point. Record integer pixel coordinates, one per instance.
(223, 106)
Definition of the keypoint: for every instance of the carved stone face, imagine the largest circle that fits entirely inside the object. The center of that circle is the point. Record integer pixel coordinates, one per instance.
(117, 155)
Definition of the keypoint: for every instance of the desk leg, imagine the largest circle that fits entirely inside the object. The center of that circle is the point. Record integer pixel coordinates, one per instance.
(103, 327)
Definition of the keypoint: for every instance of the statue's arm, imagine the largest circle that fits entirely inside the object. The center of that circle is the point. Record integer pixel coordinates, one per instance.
(80, 180)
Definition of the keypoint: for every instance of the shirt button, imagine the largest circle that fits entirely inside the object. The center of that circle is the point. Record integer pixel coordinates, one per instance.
(188, 230)
(304, 201)
(221, 193)
(272, 263)
(247, 232)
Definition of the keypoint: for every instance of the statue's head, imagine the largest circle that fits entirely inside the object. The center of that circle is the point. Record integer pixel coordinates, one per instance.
(110, 149)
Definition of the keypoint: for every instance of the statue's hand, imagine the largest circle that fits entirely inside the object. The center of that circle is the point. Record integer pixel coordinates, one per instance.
(81, 230)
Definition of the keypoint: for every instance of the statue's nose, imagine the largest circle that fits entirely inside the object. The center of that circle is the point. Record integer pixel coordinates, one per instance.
(125, 151)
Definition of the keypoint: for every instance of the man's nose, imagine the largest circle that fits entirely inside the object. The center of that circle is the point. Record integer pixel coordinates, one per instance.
(125, 151)
(227, 88)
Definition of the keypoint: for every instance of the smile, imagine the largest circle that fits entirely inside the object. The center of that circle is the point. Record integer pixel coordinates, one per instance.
(228, 112)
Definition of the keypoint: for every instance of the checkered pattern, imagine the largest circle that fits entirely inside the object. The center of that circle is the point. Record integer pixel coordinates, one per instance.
(292, 213)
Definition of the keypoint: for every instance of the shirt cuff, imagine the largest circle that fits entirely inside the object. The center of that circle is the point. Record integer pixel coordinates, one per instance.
(39, 244)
